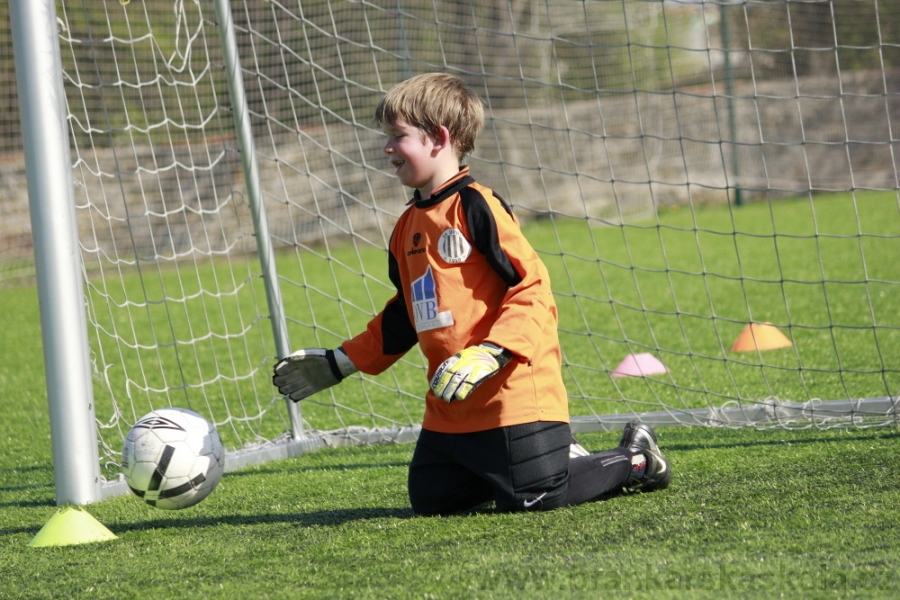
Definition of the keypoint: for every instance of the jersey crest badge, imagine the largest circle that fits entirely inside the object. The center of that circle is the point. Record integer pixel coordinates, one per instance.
(453, 246)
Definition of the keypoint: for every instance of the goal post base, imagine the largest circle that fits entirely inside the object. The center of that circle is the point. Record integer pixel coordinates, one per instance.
(766, 413)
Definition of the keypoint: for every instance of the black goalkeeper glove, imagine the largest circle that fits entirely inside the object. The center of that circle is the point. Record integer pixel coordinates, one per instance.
(311, 370)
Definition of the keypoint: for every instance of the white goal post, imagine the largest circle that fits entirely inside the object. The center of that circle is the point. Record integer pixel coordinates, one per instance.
(712, 184)
(76, 465)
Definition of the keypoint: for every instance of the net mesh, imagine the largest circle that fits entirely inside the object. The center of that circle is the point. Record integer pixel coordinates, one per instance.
(685, 169)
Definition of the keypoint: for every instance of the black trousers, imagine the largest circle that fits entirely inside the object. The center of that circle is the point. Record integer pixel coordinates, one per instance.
(521, 467)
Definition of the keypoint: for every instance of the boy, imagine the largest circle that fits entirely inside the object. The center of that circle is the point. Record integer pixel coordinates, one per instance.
(472, 292)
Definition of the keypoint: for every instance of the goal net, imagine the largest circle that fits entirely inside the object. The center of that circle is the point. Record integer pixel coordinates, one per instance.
(713, 186)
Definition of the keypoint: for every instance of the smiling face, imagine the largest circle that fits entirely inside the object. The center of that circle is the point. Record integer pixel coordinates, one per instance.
(421, 161)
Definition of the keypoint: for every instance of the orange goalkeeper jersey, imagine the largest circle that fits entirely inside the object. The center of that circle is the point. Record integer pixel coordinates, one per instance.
(465, 274)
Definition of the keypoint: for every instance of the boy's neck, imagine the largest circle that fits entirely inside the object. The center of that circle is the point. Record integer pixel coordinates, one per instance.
(445, 170)
(445, 177)
(436, 190)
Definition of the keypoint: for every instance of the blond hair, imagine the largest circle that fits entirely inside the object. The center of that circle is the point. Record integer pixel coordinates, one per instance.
(433, 100)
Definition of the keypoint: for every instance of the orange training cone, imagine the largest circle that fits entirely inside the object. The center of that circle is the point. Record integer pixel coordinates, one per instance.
(760, 336)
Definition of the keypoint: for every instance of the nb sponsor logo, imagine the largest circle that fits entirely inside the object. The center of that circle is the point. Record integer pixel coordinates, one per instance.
(425, 306)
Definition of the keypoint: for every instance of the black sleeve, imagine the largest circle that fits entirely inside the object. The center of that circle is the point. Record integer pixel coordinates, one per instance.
(397, 331)
(483, 229)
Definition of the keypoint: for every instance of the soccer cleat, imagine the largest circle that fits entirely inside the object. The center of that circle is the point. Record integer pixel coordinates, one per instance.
(640, 438)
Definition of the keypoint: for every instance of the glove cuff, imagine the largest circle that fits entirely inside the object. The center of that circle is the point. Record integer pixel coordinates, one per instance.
(500, 353)
(340, 364)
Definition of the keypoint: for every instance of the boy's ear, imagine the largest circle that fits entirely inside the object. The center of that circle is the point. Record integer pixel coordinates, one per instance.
(442, 136)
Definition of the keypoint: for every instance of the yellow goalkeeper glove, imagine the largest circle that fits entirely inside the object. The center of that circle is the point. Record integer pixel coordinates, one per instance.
(460, 374)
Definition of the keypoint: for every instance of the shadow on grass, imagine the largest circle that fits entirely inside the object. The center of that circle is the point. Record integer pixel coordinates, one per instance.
(9, 476)
(321, 518)
(24, 474)
(316, 518)
(28, 503)
(282, 468)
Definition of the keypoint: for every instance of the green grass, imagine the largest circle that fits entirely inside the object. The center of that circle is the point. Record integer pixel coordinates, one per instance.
(684, 286)
(750, 513)
(800, 512)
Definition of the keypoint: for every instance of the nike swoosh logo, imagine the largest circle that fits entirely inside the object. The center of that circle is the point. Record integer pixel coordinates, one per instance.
(530, 503)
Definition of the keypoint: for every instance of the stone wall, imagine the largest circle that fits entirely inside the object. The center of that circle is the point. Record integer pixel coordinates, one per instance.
(613, 159)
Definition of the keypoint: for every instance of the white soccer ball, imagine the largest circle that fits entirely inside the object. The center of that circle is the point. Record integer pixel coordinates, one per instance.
(173, 458)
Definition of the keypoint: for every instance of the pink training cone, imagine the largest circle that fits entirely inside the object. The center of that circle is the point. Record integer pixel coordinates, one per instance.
(639, 365)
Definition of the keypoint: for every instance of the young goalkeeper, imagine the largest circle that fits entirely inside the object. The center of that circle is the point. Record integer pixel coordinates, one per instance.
(472, 292)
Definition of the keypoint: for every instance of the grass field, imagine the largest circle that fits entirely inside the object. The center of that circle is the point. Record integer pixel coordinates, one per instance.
(750, 513)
